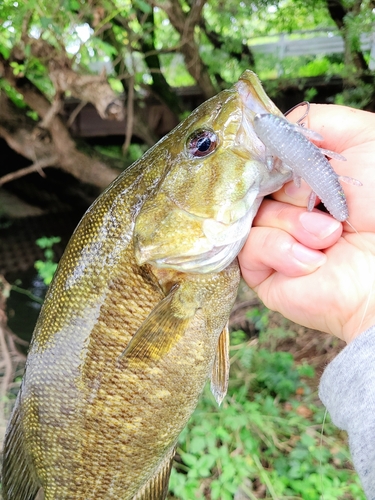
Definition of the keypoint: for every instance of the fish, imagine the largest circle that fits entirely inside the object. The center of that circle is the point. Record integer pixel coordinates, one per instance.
(136, 318)
(289, 143)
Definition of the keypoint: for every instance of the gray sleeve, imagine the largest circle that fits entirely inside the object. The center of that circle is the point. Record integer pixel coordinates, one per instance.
(347, 389)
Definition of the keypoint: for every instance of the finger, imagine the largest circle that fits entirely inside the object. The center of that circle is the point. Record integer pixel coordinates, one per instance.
(316, 229)
(290, 193)
(351, 132)
(336, 125)
(270, 250)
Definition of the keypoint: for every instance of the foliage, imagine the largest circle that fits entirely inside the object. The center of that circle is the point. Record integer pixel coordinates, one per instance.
(120, 35)
(147, 48)
(134, 152)
(265, 441)
(356, 97)
(46, 268)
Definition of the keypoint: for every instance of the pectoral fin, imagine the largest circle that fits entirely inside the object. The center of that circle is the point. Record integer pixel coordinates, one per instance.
(19, 480)
(220, 370)
(157, 487)
(160, 331)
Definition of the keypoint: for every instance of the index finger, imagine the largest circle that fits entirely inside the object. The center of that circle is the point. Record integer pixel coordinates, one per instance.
(341, 127)
(350, 132)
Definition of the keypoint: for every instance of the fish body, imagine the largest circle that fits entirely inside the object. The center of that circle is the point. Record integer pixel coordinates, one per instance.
(135, 320)
(287, 142)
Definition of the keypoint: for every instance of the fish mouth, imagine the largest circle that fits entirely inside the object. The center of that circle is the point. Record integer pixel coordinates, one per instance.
(252, 104)
(218, 246)
(212, 261)
(207, 243)
(253, 101)
(253, 96)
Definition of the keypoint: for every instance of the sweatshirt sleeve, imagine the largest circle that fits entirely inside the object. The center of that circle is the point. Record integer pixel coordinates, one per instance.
(347, 389)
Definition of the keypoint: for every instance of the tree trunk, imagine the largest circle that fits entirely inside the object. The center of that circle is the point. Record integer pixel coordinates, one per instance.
(185, 25)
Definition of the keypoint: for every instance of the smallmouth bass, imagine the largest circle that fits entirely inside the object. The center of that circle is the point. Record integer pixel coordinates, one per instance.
(135, 320)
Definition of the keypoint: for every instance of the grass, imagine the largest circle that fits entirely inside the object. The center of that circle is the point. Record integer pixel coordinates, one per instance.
(267, 439)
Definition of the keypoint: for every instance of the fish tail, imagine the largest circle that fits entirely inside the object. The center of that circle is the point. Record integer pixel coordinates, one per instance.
(19, 480)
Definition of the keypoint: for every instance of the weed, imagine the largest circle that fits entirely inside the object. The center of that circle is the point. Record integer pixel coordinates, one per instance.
(46, 268)
(264, 442)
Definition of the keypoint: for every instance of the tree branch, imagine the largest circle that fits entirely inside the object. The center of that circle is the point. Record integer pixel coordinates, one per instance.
(185, 25)
(35, 167)
(140, 123)
(129, 117)
(218, 42)
(10, 358)
(59, 142)
(89, 88)
(338, 13)
(159, 84)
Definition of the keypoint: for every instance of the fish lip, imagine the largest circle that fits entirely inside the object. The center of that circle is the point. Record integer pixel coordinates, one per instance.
(248, 144)
(252, 104)
(213, 261)
(254, 96)
(254, 101)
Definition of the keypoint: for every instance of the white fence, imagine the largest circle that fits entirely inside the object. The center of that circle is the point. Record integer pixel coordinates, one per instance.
(329, 43)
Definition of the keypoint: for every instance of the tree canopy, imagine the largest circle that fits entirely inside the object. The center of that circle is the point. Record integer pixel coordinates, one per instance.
(100, 50)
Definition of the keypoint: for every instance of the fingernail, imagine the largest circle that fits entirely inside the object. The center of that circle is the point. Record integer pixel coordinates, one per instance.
(319, 225)
(307, 256)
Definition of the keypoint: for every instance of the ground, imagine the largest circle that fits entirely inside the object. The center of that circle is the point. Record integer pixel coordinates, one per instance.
(306, 345)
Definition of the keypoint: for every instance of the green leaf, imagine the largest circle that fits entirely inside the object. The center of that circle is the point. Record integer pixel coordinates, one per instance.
(306, 370)
(48, 242)
(205, 463)
(223, 434)
(197, 444)
(143, 6)
(74, 5)
(189, 459)
(45, 22)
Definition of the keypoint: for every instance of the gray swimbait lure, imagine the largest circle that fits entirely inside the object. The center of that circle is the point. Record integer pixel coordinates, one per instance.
(287, 142)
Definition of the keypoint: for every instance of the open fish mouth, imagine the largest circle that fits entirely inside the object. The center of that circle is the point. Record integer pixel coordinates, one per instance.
(202, 230)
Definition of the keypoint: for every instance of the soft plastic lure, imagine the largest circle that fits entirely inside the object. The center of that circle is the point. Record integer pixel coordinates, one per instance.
(289, 143)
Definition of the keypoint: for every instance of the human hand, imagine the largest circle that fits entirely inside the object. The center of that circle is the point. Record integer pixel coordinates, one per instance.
(312, 269)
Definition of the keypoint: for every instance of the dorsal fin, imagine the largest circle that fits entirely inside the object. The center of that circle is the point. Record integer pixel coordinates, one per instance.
(19, 480)
(157, 487)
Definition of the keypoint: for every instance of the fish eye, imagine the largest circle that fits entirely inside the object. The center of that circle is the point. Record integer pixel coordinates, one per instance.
(201, 143)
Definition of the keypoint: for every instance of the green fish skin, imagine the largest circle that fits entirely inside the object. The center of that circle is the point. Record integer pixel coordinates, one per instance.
(135, 320)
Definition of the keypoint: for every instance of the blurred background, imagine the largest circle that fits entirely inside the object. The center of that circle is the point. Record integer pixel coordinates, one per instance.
(86, 87)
